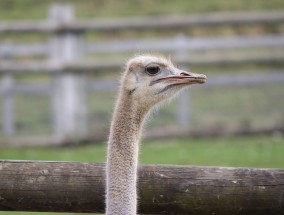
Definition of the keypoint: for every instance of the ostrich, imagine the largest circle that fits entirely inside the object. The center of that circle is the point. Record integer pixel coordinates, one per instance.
(147, 81)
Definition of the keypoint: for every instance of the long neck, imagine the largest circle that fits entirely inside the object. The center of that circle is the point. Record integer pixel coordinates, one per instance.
(122, 158)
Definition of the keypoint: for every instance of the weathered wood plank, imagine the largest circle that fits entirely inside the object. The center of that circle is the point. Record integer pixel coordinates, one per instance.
(225, 80)
(94, 66)
(161, 44)
(79, 187)
(158, 22)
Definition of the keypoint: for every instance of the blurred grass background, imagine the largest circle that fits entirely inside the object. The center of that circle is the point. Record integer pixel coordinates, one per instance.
(34, 9)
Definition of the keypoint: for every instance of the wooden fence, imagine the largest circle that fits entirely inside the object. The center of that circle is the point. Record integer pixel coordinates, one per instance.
(66, 50)
(153, 23)
(79, 187)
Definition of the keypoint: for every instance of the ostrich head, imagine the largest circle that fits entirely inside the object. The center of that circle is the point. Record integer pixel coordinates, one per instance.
(146, 81)
(151, 79)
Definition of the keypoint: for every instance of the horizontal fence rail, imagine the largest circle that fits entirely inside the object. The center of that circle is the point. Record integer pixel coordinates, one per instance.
(160, 22)
(92, 66)
(9, 49)
(216, 79)
(79, 187)
(170, 44)
(188, 44)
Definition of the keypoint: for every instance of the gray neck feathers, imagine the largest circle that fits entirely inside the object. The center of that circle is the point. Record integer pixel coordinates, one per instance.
(122, 158)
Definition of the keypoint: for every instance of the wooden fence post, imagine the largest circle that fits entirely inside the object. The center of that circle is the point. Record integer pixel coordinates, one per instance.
(8, 101)
(183, 110)
(69, 106)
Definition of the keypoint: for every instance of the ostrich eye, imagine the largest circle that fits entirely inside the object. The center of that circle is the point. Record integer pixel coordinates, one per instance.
(153, 70)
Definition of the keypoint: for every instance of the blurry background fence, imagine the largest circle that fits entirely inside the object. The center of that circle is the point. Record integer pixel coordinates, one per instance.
(68, 85)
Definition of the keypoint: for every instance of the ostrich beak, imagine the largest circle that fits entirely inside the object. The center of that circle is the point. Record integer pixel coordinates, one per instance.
(182, 77)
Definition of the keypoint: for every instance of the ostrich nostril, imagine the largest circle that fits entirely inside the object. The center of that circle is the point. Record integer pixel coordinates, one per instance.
(184, 74)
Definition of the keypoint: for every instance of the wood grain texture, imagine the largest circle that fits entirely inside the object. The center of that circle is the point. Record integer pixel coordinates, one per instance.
(79, 187)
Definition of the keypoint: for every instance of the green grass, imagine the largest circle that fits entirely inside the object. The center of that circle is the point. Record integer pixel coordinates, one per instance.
(34, 9)
(246, 151)
(250, 107)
